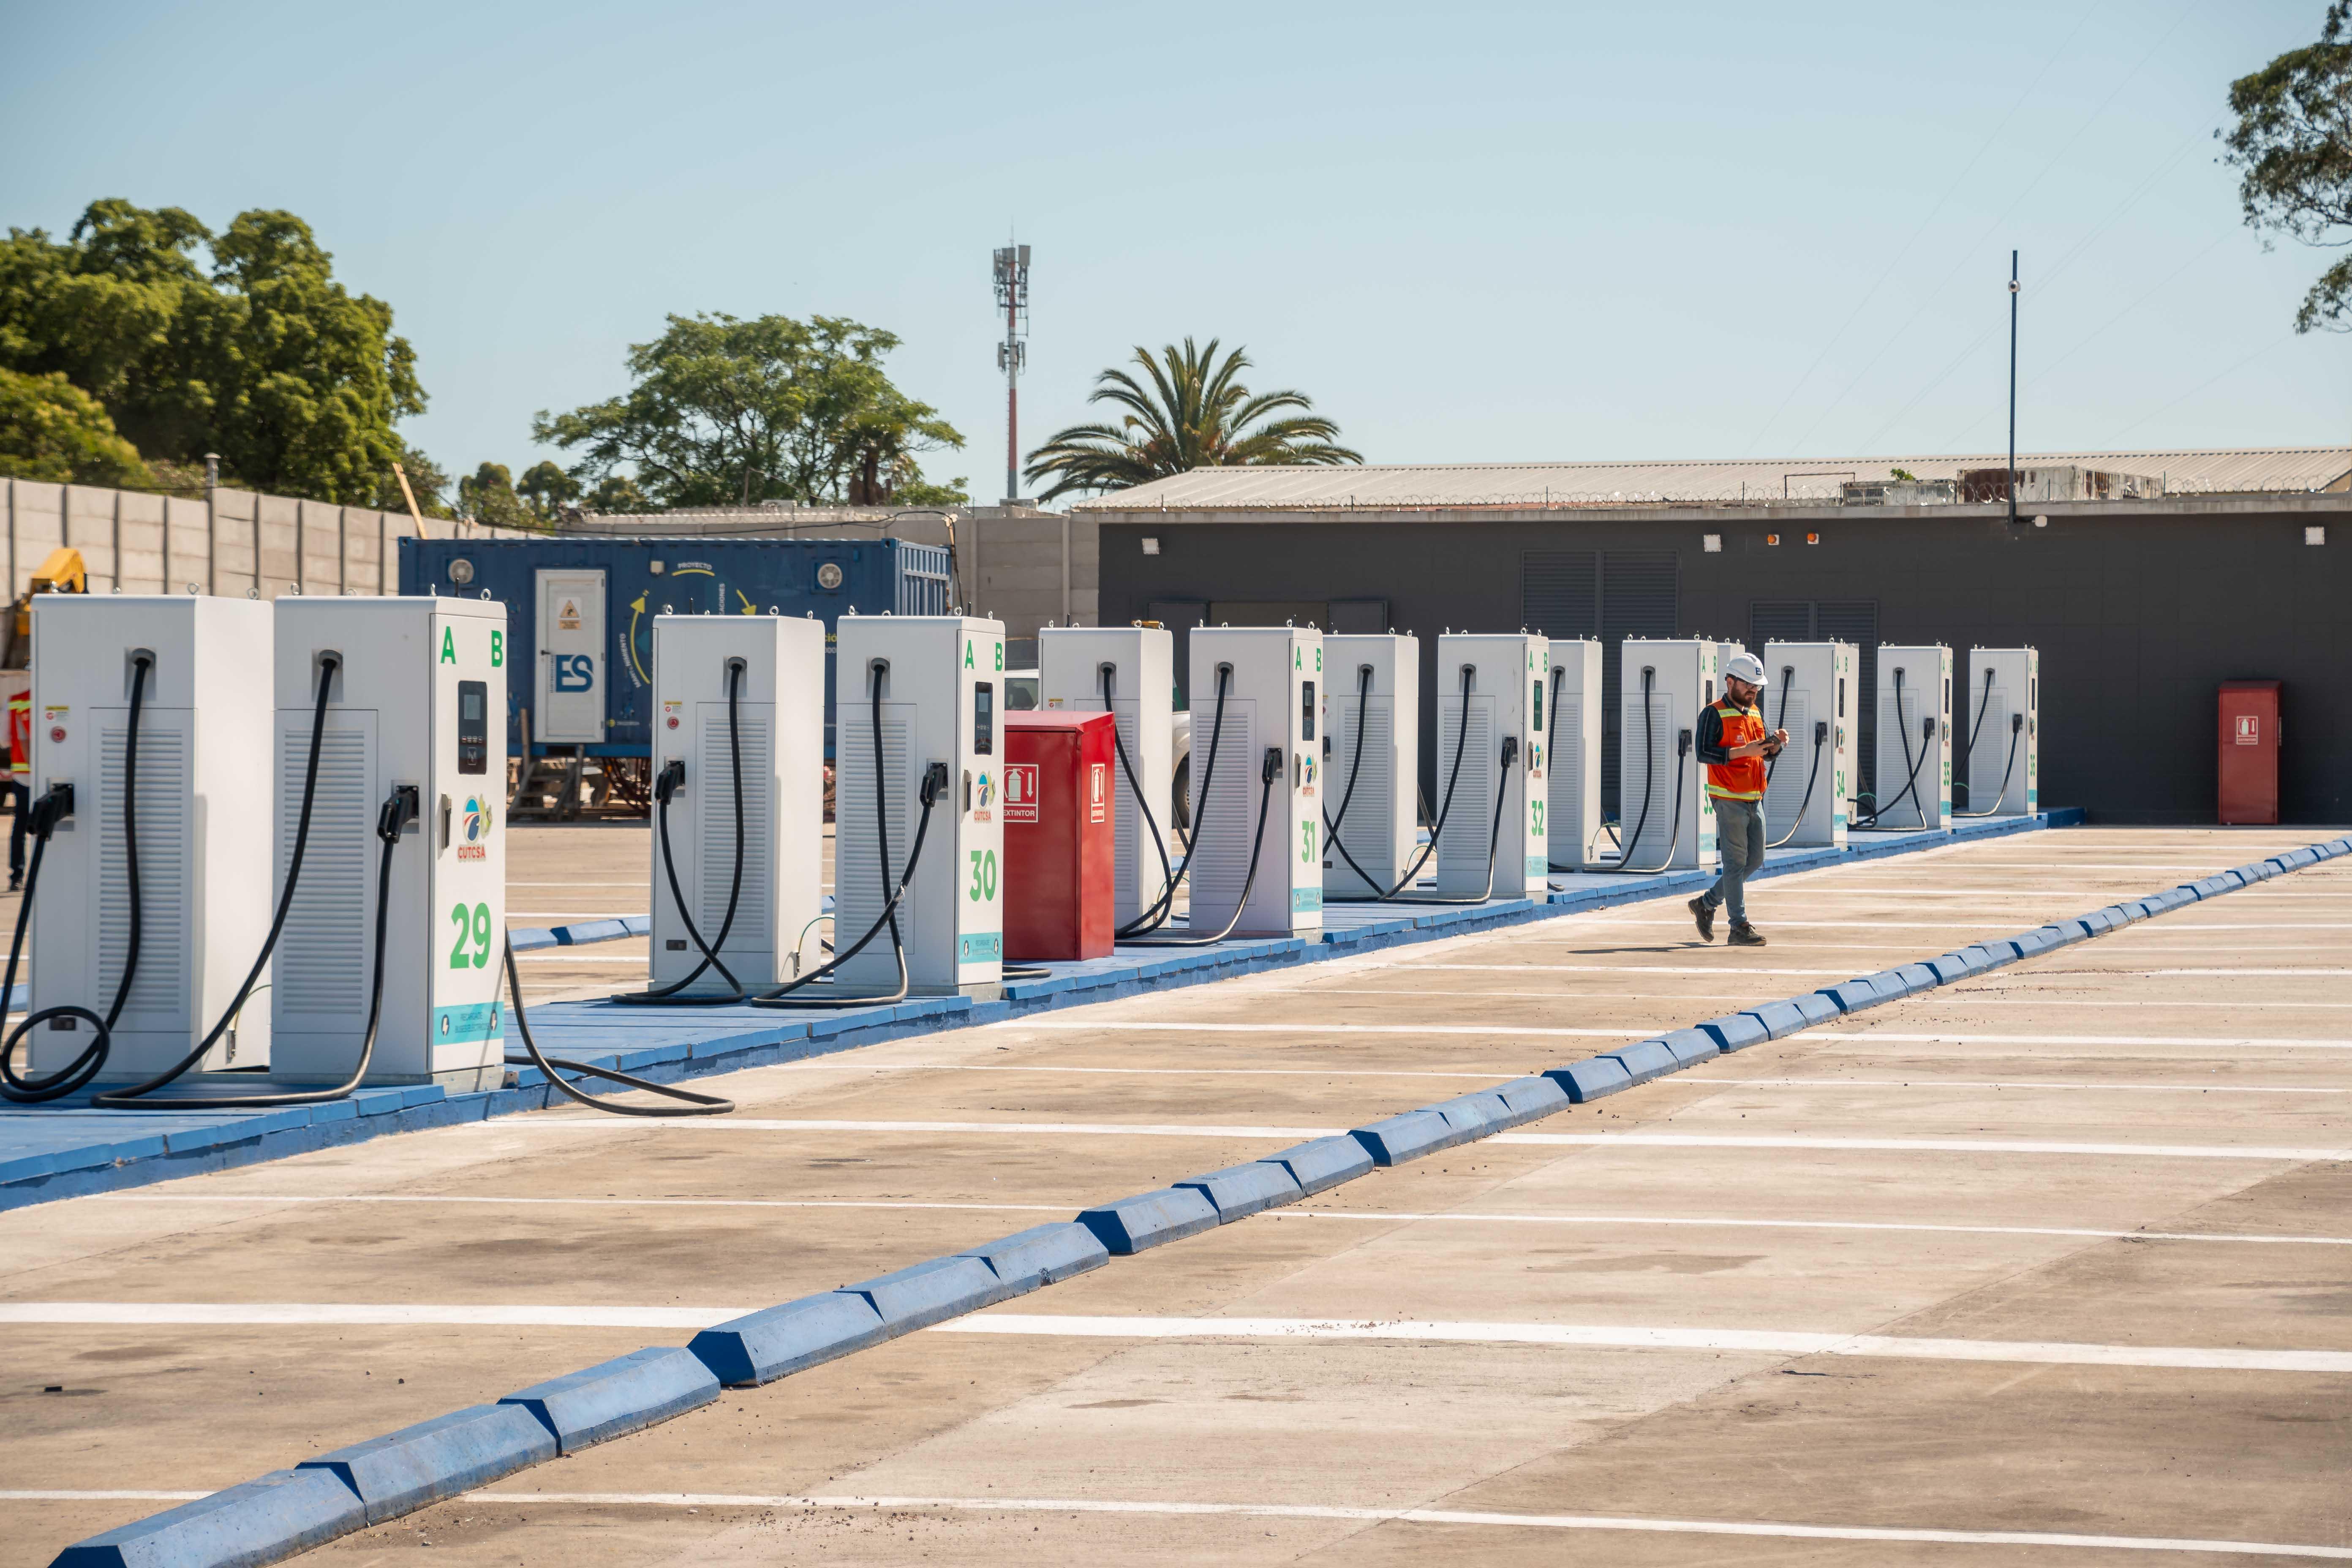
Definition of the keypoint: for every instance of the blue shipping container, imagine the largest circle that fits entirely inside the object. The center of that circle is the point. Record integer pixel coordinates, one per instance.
(593, 684)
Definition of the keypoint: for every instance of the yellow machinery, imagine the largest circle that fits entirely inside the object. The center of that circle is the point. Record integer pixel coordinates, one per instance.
(62, 572)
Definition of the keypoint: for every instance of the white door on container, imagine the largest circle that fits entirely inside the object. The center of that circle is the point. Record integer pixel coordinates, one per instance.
(571, 706)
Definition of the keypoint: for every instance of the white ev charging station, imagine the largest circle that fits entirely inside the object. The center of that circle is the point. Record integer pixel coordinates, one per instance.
(938, 682)
(416, 702)
(1572, 756)
(202, 762)
(1373, 764)
(1915, 737)
(1140, 664)
(1665, 819)
(1257, 776)
(728, 688)
(1813, 695)
(1499, 738)
(2002, 713)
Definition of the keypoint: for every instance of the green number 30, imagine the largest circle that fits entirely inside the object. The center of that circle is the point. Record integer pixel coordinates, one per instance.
(983, 875)
(473, 949)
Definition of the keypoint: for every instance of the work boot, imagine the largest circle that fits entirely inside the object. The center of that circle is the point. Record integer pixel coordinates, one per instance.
(1703, 913)
(1746, 935)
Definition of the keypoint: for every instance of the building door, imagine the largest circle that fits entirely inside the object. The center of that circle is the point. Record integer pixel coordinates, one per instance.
(570, 704)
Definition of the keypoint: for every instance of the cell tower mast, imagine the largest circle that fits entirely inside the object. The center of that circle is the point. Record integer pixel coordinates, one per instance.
(1012, 353)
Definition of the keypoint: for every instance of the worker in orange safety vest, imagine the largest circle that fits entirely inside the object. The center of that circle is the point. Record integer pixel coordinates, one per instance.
(20, 779)
(1734, 744)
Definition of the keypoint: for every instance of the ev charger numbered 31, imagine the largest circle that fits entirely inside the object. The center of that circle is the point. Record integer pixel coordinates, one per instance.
(1372, 771)
(203, 766)
(415, 704)
(1915, 738)
(1258, 778)
(1813, 695)
(1572, 754)
(2001, 716)
(1141, 665)
(1665, 819)
(1492, 804)
(939, 683)
(775, 666)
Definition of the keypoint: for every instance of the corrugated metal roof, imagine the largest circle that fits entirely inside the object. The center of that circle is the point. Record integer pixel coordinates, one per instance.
(2239, 471)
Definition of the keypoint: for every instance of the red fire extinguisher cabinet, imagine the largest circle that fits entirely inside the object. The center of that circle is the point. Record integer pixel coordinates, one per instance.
(2250, 752)
(1060, 827)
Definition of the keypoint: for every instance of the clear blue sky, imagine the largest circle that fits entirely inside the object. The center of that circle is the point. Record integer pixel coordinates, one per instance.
(1471, 232)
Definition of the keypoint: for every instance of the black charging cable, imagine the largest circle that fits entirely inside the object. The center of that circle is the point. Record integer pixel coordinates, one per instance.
(1397, 894)
(1164, 907)
(554, 1068)
(666, 783)
(1910, 784)
(1649, 782)
(1269, 770)
(2009, 768)
(1168, 877)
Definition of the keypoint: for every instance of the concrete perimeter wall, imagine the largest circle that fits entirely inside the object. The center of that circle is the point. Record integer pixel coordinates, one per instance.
(236, 543)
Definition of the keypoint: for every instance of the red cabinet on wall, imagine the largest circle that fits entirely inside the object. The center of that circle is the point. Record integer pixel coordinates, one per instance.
(2250, 752)
(1060, 827)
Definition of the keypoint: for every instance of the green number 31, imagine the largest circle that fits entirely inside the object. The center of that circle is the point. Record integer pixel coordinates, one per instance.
(1307, 843)
(473, 949)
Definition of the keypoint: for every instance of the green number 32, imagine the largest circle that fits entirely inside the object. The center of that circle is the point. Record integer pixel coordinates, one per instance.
(983, 875)
(473, 949)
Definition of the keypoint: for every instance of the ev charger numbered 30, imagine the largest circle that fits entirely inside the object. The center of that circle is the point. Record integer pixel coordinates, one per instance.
(1494, 802)
(775, 666)
(1664, 820)
(1141, 665)
(1258, 778)
(2000, 713)
(1915, 738)
(1572, 754)
(203, 766)
(415, 703)
(1372, 770)
(940, 680)
(1813, 695)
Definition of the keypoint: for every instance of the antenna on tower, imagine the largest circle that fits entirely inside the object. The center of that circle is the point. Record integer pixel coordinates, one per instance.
(1012, 354)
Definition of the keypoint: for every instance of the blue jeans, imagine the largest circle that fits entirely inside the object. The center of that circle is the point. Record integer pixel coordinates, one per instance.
(1739, 837)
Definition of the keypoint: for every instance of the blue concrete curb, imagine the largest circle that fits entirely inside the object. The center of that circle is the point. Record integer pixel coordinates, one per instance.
(762, 1346)
(1324, 1163)
(1591, 1079)
(402, 1471)
(1238, 1192)
(261, 1521)
(1690, 1046)
(618, 1397)
(1043, 1255)
(1393, 1140)
(1151, 1219)
(930, 1292)
(1528, 1099)
(1643, 1060)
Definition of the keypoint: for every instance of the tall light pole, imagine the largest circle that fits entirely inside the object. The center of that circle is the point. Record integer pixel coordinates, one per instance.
(2013, 387)
(1012, 353)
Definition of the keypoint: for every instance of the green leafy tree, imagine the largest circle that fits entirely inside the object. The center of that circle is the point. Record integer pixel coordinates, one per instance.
(52, 431)
(618, 493)
(1195, 414)
(488, 496)
(2292, 149)
(546, 491)
(428, 478)
(241, 343)
(726, 412)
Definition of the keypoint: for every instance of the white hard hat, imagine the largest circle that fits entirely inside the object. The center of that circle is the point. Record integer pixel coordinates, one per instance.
(1747, 666)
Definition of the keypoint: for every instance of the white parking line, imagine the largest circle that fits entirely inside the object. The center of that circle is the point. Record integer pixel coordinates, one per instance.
(774, 1124)
(1929, 1145)
(1720, 1224)
(146, 1198)
(1948, 995)
(2005, 1084)
(1765, 1342)
(1968, 1038)
(1099, 1026)
(1716, 969)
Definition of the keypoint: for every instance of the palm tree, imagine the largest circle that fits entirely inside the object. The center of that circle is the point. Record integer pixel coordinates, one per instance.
(1195, 415)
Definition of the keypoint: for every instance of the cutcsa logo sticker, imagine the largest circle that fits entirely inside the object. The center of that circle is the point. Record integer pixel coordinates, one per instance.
(476, 829)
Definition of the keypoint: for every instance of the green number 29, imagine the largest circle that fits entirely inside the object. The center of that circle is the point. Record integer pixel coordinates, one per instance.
(473, 949)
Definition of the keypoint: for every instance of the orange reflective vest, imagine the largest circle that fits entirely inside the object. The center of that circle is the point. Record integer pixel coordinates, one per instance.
(20, 735)
(1742, 778)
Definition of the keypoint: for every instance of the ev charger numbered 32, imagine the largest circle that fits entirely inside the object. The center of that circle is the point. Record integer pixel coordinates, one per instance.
(730, 687)
(2001, 714)
(1813, 695)
(1915, 738)
(1491, 778)
(1257, 775)
(1665, 819)
(1140, 664)
(415, 703)
(1572, 754)
(202, 762)
(1372, 770)
(939, 684)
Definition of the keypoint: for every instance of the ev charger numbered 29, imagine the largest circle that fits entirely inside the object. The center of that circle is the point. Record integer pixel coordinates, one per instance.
(1373, 769)
(1915, 738)
(1813, 695)
(1139, 664)
(738, 714)
(1256, 864)
(1491, 779)
(1665, 819)
(936, 683)
(201, 758)
(1572, 754)
(2002, 715)
(416, 702)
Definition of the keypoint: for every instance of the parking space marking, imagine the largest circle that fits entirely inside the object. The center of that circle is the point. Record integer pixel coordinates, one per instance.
(154, 1198)
(1096, 1026)
(1713, 1222)
(1930, 1145)
(2011, 1083)
(1767, 1528)
(591, 1123)
(1621, 1336)
(346, 1314)
(1968, 1038)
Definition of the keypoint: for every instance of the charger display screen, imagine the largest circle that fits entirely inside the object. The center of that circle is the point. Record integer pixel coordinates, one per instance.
(473, 726)
(1306, 711)
(984, 718)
